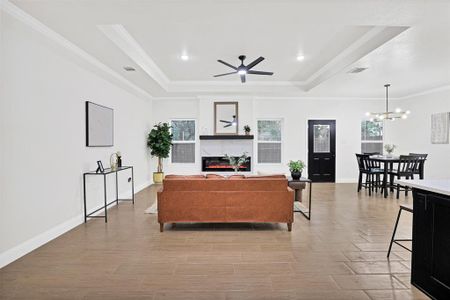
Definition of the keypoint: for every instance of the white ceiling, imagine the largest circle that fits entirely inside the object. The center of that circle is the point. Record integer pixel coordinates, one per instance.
(404, 42)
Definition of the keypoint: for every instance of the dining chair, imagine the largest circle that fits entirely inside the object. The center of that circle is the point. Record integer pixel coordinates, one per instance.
(420, 165)
(405, 169)
(367, 167)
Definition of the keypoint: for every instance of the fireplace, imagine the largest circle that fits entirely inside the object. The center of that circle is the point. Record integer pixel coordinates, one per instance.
(220, 164)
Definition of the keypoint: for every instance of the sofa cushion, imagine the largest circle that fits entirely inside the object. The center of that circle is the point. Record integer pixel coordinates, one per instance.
(184, 177)
(236, 177)
(274, 176)
(214, 176)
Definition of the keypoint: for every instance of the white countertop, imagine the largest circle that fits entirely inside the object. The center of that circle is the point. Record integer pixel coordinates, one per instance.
(440, 186)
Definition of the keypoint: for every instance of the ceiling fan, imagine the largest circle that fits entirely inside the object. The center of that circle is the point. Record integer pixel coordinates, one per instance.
(229, 123)
(242, 70)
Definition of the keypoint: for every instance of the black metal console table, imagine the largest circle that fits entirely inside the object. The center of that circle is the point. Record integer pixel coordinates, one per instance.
(292, 183)
(106, 204)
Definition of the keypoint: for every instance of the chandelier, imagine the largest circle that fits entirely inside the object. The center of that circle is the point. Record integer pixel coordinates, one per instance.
(388, 115)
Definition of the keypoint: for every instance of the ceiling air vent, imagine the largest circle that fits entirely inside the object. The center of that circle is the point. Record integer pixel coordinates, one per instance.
(129, 69)
(356, 70)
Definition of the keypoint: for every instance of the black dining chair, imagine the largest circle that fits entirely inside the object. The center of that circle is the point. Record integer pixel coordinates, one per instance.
(406, 166)
(368, 167)
(419, 170)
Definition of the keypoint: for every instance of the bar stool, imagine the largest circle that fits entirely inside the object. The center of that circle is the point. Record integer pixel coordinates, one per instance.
(407, 208)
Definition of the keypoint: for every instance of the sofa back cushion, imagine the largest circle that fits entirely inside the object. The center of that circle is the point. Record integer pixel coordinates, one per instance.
(248, 184)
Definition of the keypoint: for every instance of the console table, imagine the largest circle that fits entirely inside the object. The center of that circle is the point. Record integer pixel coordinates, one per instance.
(296, 185)
(106, 204)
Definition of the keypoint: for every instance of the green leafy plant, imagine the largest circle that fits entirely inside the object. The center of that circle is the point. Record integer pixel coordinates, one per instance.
(237, 162)
(159, 140)
(296, 166)
(247, 128)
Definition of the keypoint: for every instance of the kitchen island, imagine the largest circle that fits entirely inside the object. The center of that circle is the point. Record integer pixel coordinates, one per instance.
(430, 265)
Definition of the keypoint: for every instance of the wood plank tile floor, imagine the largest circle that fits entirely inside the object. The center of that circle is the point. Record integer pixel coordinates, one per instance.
(339, 254)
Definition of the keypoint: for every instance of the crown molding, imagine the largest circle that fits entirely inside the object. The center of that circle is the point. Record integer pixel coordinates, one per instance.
(426, 92)
(38, 26)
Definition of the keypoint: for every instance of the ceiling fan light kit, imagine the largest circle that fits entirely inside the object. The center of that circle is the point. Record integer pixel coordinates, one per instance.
(388, 115)
(244, 70)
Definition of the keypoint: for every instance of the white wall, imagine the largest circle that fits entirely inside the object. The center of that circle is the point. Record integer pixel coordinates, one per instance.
(295, 114)
(414, 133)
(42, 136)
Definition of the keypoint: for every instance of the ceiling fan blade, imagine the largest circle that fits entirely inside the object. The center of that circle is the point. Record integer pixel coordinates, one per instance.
(227, 64)
(229, 125)
(255, 62)
(225, 74)
(223, 121)
(243, 78)
(259, 73)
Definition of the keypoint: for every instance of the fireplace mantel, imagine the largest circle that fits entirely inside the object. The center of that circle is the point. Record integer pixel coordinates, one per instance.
(226, 137)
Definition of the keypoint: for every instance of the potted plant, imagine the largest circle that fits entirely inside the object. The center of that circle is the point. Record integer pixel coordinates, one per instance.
(389, 148)
(237, 162)
(247, 129)
(296, 167)
(159, 141)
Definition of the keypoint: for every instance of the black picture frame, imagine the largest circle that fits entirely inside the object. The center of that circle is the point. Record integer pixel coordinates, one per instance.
(100, 167)
(89, 143)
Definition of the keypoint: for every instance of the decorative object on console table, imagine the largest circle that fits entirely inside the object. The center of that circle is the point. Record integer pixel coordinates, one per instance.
(226, 119)
(389, 149)
(247, 130)
(113, 161)
(119, 159)
(159, 141)
(100, 167)
(237, 162)
(296, 167)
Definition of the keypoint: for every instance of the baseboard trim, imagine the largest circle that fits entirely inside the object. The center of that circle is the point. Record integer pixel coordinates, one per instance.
(346, 180)
(26, 247)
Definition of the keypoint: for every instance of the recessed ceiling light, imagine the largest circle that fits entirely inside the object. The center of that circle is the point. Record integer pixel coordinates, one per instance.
(184, 57)
(300, 57)
(129, 69)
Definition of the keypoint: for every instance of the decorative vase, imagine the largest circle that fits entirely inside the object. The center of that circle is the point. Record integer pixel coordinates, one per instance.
(119, 161)
(158, 177)
(247, 132)
(296, 175)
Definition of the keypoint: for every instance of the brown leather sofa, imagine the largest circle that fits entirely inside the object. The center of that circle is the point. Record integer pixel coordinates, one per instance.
(215, 199)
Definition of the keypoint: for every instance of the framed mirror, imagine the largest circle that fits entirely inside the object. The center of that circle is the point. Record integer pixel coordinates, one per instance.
(226, 118)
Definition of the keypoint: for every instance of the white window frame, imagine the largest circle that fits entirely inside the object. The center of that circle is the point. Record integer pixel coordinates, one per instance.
(372, 141)
(195, 141)
(281, 142)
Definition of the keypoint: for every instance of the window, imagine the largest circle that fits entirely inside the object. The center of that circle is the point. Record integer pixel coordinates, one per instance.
(269, 141)
(183, 144)
(371, 137)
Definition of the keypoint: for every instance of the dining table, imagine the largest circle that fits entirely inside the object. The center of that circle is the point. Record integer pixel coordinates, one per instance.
(388, 162)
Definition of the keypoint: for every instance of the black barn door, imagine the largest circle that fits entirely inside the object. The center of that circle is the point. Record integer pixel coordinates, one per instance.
(322, 150)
